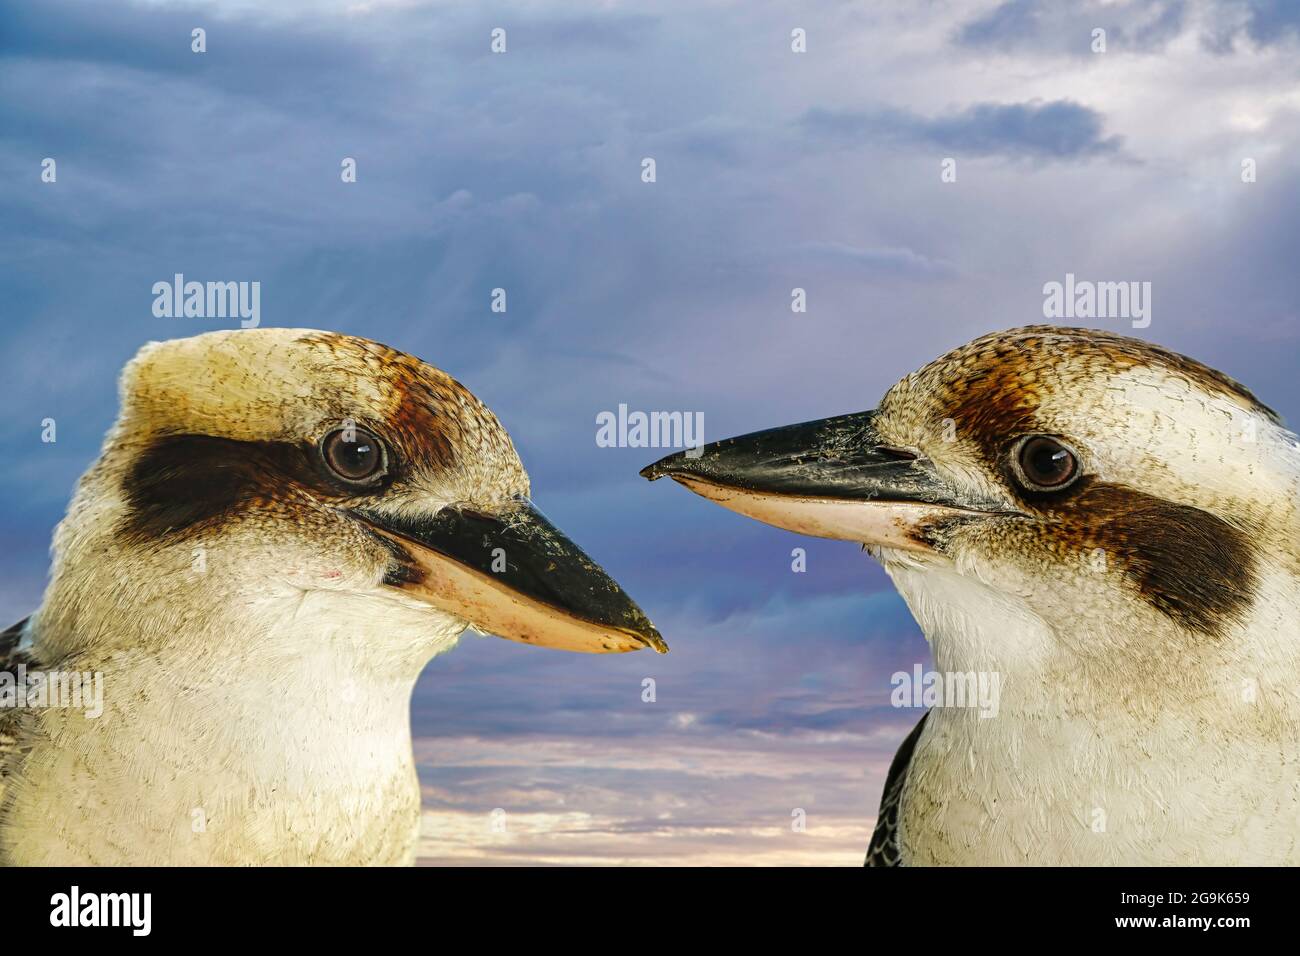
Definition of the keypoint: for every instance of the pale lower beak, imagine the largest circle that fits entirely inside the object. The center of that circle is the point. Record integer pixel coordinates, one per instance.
(513, 574)
(832, 478)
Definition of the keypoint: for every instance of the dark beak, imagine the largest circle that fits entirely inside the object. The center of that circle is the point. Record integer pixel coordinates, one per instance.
(832, 478)
(513, 574)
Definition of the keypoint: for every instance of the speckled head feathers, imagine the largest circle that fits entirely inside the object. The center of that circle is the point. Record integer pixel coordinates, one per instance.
(1185, 473)
(289, 386)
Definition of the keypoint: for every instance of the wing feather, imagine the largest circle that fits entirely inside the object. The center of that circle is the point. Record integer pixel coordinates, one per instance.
(884, 849)
(13, 652)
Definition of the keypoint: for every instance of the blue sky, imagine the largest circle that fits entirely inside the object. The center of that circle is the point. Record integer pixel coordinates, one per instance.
(521, 170)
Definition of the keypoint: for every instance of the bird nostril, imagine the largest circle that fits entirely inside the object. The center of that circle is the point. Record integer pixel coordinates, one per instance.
(902, 454)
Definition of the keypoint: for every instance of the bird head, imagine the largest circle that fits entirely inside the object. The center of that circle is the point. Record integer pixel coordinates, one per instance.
(296, 480)
(1044, 492)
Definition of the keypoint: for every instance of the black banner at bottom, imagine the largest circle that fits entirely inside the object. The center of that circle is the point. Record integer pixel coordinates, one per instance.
(336, 906)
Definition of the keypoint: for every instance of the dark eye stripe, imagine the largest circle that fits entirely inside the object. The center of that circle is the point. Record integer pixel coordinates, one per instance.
(184, 483)
(1192, 566)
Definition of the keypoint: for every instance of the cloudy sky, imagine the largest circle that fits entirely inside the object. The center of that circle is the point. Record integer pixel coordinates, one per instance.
(774, 170)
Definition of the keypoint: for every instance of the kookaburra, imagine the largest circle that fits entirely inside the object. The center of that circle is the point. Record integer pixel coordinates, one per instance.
(284, 526)
(1111, 528)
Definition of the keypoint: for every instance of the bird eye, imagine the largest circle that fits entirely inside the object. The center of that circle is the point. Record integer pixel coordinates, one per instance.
(1043, 463)
(354, 455)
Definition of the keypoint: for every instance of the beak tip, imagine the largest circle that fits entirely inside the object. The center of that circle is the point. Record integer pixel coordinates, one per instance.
(654, 472)
(655, 641)
(664, 466)
(645, 633)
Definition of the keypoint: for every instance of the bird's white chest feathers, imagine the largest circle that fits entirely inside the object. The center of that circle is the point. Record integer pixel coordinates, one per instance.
(292, 749)
(1065, 775)
(1069, 794)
